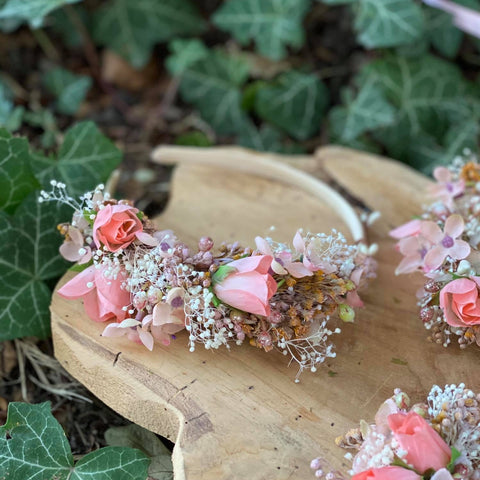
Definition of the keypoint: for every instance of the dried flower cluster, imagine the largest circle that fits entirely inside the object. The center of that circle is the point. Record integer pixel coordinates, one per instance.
(438, 439)
(152, 285)
(443, 243)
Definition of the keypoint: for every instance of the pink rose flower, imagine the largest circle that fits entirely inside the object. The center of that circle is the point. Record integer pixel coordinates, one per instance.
(424, 446)
(460, 303)
(103, 298)
(248, 286)
(116, 227)
(387, 473)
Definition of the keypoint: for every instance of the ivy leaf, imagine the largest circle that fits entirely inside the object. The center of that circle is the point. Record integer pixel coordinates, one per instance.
(295, 103)
(443, 34)
(272, 24)
(426, 92)
(61, 23)
(16, 176)
(388, 23)
(69, 89)
(33, 445)
(85, 159)
(28, 258)
(135, 436)
(133, 28)
(367, 111)
(185, 53)
(213, 86)
(31, 11)
(265, 139)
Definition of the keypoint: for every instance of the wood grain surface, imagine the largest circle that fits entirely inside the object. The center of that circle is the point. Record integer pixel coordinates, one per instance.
(238, 414)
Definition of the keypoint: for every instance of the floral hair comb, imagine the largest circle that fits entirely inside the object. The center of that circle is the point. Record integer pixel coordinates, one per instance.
(150, 285)
(438, 439)
(443, 243)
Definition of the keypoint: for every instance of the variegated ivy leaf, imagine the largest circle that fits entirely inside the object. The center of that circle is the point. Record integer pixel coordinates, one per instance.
(85, 159)
(28, 258)
(295, 102)
(132, 28)
(31, 11)
(443, 34)
(388, 23)
(426, 92)
(16, 176)
(34, 446)
(69, 89)
(272, 24)
(368, 110)
(213, 85)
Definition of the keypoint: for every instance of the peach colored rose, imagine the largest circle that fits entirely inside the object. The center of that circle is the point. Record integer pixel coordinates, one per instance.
(460, 302)
(116, 227)
(246, 284)
(387, 473)
(424, 446)
(103, 298)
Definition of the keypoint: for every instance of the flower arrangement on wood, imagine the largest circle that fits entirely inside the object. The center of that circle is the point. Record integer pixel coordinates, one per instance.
(438, 439)
(149, 285)
(443, 243)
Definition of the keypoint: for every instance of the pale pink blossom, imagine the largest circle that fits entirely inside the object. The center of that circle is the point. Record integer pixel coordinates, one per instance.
(282, 261)
(413, 250)
(73, 248)
(161, 324)
(247, 284)
(446, 189)
(445, 243)
(408, 229)
(312, 259)
(103, 298)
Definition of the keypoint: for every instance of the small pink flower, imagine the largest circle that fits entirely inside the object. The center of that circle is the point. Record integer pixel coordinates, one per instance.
(414, 250)
(282, 262)
(312, 251)
(248, 286)
(116, 227)
(460, 302)
(73, 248)
(425, 448)
(408, 229)
(446, 190)
(387, 473)
(446, 242)
(103, 298)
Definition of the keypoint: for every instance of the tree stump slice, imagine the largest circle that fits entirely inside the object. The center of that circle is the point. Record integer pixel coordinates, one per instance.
(238, 414)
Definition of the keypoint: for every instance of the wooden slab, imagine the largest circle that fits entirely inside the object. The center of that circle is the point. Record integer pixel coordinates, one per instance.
(238, 414)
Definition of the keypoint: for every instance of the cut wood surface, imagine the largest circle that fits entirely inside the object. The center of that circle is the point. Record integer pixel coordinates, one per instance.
(238, 414)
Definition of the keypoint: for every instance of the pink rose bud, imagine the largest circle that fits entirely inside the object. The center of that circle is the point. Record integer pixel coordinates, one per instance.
(116, 227)
(460, 302)
(103, 298)
(424, 446)
(245, 284)
(387, 473)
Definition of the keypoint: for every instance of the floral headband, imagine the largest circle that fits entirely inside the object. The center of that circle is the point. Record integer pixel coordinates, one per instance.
(150, 285)
(438, 439)
(443, 243)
